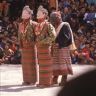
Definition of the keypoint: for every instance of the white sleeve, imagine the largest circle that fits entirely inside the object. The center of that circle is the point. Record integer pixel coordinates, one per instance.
(53, 29)
(72, 46)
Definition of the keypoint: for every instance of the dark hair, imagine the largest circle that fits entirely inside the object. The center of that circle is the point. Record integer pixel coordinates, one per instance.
(54, 17)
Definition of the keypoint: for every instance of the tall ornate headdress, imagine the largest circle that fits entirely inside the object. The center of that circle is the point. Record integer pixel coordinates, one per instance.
(41, 8)
(27, 8)
(27, 12)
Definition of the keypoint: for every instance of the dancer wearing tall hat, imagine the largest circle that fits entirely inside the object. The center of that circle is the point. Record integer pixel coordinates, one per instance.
(64, 42)
(26, 37)
(45, 35)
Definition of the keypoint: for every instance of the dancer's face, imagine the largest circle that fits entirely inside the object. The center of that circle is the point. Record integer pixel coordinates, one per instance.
(40, 15)
(25, 15)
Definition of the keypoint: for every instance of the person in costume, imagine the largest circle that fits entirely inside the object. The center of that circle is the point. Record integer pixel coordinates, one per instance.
(64, 42)
(26, 37)
(45, 35)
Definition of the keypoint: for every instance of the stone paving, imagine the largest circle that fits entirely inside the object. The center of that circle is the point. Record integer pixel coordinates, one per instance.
(11, 81)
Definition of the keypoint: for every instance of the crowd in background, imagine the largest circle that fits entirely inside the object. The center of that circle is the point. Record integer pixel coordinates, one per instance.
(9, 19)
(81, 14)
(82, 18)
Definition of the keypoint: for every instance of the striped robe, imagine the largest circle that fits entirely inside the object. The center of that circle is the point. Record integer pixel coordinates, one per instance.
(61, 61)
(44, 41)
(26, 40)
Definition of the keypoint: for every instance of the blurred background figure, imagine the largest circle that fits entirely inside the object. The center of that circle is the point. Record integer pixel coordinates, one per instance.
(83, 85)
(4, 8)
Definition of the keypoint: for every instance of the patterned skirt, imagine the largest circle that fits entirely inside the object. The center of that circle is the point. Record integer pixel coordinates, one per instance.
(29, 63)
(61, 61)
(45, 64)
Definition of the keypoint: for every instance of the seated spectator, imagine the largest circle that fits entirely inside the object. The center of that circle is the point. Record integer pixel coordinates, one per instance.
(7, 54)
(1, 54)
(65, 14)
(92, 54)
(84, 54)
(16, 57)
(95, 57)
(74, 57)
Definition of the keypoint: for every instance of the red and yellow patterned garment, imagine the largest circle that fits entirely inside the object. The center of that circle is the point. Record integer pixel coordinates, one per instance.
(27, 38)
(44, 41)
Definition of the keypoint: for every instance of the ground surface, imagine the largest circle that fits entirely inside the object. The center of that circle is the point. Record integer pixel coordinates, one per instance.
(11, 81)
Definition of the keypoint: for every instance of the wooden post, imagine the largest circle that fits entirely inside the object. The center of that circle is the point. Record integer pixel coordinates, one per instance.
(53, 3)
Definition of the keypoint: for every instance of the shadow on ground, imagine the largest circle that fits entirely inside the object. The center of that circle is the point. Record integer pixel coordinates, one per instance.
(19, 88)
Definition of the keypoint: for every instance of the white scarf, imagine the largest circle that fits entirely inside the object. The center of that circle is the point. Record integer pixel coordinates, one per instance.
(59, 28)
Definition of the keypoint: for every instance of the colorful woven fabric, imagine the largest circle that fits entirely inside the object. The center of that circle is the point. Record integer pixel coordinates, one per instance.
(27, 38)
(29, 64)
(44, 39)
(45, 64)
(61, 61)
